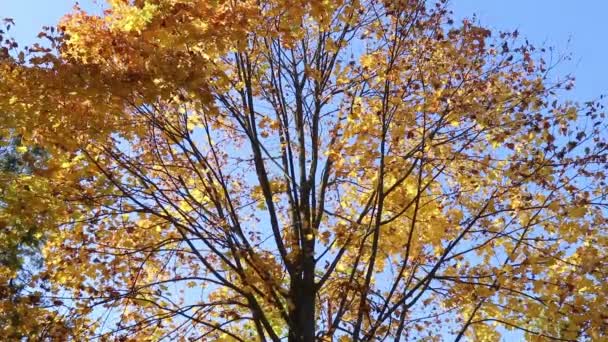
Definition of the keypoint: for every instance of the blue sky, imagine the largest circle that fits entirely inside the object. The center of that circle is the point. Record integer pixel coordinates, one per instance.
(565, 24)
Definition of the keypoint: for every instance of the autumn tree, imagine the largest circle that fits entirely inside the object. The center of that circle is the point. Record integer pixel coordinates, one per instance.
(23, 313)
(317, 170)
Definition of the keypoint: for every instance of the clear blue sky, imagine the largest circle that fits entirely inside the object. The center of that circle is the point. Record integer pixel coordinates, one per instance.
(577, 27)
(542, 21)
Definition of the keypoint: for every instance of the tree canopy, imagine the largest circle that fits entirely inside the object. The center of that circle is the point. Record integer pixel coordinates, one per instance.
(361, 170)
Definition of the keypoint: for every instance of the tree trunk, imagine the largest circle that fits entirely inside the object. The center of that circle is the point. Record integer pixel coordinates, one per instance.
(303, 326)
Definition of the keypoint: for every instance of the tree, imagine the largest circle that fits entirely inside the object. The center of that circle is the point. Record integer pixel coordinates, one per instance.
(23, 313)
(350, 170)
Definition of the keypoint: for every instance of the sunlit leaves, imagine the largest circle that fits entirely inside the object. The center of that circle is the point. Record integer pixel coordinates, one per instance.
(218, 169)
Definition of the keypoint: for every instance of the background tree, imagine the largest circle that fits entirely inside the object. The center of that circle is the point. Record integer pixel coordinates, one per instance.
(353, 170)
(24, 313)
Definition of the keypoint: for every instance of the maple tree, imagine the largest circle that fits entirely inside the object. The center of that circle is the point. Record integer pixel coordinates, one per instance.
(318, 170)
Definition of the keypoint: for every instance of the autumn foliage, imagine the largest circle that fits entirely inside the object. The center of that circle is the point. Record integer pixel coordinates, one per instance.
(316, 170)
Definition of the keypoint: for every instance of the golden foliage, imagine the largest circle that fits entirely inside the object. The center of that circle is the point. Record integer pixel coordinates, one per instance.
(232, 170)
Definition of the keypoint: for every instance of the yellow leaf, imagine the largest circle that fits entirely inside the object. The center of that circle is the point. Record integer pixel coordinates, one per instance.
(577, 212)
